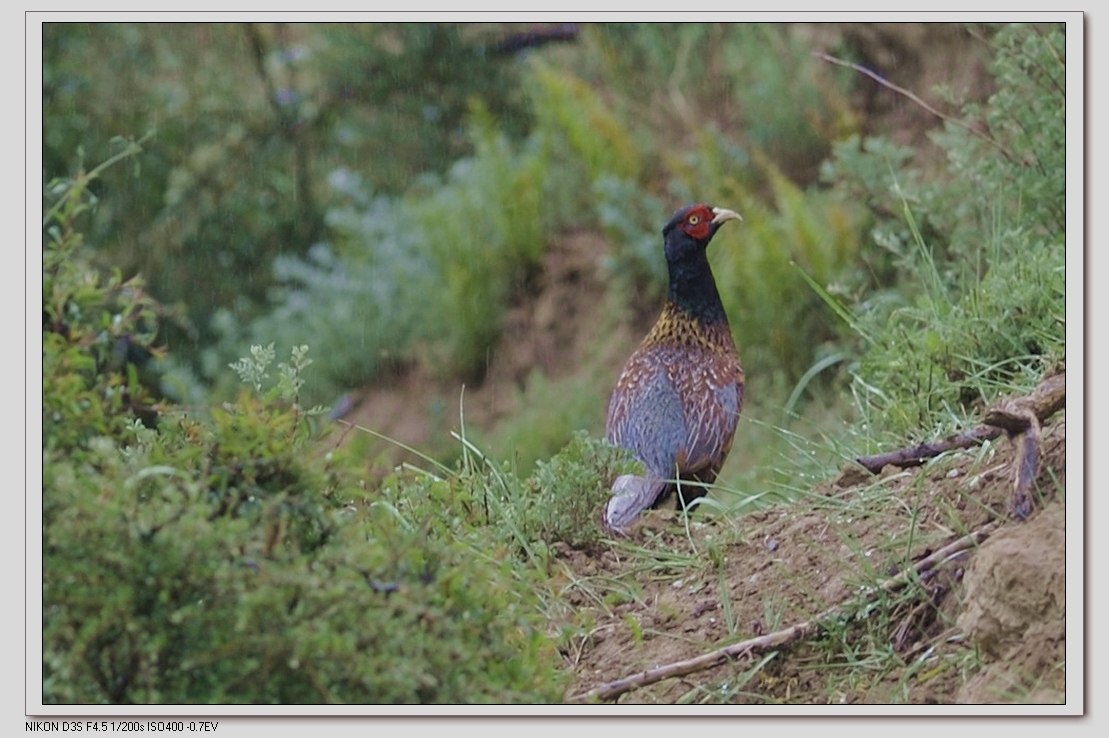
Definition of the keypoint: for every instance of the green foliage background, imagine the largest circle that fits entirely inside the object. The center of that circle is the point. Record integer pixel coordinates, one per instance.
(382, 194)
(218, 560)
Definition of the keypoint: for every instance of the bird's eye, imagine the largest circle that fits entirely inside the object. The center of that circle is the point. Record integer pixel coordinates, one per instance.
(694, 219)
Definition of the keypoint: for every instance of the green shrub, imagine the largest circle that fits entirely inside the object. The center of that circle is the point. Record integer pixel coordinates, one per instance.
(566, 104)
(426, 276)
(482, 231)
(631, 220)
(566, 494)
(971, 297)
(96, 331)
(360, 301)
(214, 558)
(229, 571)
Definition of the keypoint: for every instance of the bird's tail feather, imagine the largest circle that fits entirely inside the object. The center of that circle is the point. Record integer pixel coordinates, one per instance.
(631, 495)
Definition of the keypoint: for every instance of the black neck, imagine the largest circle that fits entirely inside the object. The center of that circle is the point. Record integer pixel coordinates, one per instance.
(693, 289)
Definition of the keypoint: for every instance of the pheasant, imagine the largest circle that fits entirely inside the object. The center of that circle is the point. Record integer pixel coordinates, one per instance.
(677, 401)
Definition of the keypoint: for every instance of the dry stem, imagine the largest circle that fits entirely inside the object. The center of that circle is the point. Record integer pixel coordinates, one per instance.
(789, 635)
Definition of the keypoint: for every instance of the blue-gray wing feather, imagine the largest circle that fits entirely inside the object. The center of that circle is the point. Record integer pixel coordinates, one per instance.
(675, 412)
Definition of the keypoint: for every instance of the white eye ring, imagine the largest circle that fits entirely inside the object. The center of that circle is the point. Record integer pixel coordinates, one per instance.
(694, 219)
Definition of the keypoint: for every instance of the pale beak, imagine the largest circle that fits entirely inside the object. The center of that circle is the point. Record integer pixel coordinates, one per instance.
(723, 214)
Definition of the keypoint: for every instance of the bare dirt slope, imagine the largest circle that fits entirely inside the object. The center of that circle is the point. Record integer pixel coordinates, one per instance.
(988, 626)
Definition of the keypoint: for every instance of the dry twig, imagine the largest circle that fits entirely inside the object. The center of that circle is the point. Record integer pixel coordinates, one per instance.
(915, 98)
(920, 453)
(784, 637)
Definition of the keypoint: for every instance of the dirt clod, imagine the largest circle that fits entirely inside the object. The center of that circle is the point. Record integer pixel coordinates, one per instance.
(1016, 611)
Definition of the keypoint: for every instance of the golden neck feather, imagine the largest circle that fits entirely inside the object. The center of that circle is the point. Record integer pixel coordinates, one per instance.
(676, 327)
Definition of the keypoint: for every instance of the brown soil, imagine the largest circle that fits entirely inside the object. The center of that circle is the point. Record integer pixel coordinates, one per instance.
(988, 627)
(1016, 612)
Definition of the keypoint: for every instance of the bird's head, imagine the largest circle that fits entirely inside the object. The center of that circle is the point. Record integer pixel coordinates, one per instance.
(690, 229)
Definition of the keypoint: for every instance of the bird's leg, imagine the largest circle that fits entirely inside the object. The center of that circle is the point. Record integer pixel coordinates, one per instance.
(690, 490)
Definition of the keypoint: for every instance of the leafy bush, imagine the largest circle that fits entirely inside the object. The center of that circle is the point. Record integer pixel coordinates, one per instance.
(361, 301)
(975, 305)
(567, 106)
(96, 332)
(228, 571)
(482, 230)
(631, 220)
(213, 558)
(567, 493)
(430, 274)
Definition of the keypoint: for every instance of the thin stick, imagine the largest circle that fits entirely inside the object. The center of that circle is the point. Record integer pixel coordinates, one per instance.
(789, 635)
(918, 454)
(902, 91)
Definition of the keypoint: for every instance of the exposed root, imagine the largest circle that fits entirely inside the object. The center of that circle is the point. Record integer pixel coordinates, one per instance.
(1020, 417)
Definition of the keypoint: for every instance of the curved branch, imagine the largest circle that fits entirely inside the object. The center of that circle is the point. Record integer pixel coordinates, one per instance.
(611, 690)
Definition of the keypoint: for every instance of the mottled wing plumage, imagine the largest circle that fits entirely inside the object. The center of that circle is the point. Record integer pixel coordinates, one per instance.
(645, 413)
(676, 406)
(676, 410)
(712, 396)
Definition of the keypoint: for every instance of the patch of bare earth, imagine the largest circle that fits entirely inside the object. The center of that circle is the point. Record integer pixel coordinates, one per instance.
(554, 328)
(988, 625)
(1016, 613)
